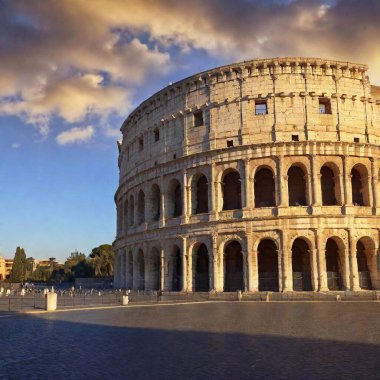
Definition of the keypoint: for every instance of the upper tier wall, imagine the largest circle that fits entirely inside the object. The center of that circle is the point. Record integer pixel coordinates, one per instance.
(164, 128)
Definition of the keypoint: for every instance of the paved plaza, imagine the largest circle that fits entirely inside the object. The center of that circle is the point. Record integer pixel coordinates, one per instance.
(219, 340)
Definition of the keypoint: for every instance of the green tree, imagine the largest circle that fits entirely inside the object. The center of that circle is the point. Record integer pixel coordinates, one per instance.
(19, 266)
(77, 265)
(103, 260)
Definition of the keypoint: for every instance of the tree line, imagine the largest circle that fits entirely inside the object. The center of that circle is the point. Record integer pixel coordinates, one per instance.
(99, 263)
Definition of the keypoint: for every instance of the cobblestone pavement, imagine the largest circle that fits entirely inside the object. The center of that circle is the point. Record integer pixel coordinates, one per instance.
(226, 340)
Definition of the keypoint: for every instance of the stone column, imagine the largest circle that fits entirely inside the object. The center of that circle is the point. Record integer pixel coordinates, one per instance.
(247, 186)
(354, 273)
(374, 180)
(218, 272)
(162, 269)
(287, 265)
(316, 182)
(184, 265)
(185, 203)
(314, 268)
(147, 270)
(189, 269)
(347, 183)
(252, 285)
(321, 249)
(280, 269)
(213, 188)
(245, 269)
(341, 189)
(309, 189)
(344, 258)
(163, 210)
(282, 183)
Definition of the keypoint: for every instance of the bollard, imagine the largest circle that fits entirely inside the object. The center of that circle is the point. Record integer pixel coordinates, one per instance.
(239, 295)
(125, 300)
(267, 297)
(51, 301)
(338, 297)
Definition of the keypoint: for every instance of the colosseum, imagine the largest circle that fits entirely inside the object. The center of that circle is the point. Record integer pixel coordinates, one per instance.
(256, 176)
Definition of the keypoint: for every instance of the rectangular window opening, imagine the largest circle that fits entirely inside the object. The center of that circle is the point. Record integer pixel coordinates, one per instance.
(230, 143)
(141, 143)
(295, 138)
(356, 139)
(156, 135)
(261, 107)
(198, 118)
(324, 106)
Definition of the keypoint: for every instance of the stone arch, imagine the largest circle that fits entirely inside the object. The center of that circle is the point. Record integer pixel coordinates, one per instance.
(359, 185)
(201, 268)
(174, 199)
(175, 270)
(141, 207)
(301, 265)
(297, 190)
(154, 203)
(330, 186)
(366, 261)
(231, 190)
(335, 263)
(131, 211)
(154, 269)
(264, 187)
(267, 257)
(140, 270)
(129, 270)
(199, 194)
(233, 266)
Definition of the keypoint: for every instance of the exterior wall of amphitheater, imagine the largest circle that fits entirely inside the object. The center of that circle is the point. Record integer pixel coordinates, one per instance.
(252, 176)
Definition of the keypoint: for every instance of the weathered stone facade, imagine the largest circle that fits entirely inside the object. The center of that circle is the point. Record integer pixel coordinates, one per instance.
(260, 175)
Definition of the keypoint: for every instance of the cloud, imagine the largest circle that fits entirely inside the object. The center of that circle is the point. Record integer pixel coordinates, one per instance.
(75, 135)
(15, 145)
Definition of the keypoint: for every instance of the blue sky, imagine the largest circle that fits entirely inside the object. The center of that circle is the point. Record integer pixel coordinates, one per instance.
(72, 71)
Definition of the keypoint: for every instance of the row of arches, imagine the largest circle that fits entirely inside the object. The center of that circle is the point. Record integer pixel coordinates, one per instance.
(153, 272)
(265, 193)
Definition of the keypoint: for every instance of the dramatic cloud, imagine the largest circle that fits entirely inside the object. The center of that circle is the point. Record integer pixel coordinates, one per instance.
(74, 135)
(81, 60)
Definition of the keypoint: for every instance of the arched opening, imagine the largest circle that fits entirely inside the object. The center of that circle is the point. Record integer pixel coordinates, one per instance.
(131, 211)
(140, 271)
(328, 187)
(363, 267)
(296, 186)
(120, 212)
(301, 265)
(201, 269)
(141, 207)
(334, 277)
(175, 269)
(264, 188)
(154, 269)
(268, 266)
(154, 203)
(129, 270)
(174, 204)
(201, 195)
(231, 188)
(233, 267)
(359, 185)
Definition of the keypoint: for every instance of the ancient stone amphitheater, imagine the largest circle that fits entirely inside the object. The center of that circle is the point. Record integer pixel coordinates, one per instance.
(257, 176)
